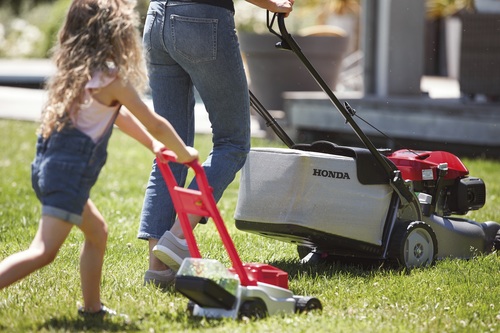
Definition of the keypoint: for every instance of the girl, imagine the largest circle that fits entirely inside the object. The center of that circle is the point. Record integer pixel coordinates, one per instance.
(99, 62)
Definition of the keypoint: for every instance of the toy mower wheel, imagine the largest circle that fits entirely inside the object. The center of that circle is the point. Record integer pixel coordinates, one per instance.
(307, 304)
(253, 309)
(413, 244)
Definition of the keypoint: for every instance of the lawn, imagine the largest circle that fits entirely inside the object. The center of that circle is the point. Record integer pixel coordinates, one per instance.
(451, 296)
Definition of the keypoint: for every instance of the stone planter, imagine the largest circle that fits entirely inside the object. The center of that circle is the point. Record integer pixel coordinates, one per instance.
(273, 71)
(480, 56)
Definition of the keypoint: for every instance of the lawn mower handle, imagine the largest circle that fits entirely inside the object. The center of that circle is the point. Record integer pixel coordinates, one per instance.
(288, 43)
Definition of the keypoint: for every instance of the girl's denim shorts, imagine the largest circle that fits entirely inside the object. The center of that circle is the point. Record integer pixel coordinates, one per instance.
(65, 168)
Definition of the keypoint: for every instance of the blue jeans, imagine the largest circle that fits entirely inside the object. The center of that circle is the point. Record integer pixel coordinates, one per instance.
(195, 45)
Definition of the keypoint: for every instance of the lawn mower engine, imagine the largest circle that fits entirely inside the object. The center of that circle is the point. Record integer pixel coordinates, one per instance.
(442, 179)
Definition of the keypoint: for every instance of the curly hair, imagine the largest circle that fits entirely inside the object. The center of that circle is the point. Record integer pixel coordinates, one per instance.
(97, 35)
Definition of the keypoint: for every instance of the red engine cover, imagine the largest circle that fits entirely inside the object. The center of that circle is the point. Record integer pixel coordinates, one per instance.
(422, 165)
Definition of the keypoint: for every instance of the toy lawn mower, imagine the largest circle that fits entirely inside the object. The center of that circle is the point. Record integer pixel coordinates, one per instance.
(347, 202)
(246, 290)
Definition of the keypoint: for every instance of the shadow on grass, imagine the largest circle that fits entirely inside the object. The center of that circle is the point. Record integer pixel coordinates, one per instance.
(89, 325)
(117, 324)
(183, 317)
(333, 266)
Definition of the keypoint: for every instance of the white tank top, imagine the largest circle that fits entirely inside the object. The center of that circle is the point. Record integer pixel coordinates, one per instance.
(94, 118)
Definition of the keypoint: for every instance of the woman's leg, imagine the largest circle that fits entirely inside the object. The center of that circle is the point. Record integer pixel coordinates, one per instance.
(202, 40)
(216, 69)
(219, 76)
(95, 231)
(51, 234)
(173, 98)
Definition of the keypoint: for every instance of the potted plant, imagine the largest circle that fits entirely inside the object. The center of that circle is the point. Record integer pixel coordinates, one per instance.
(272, 71)
(437, 9)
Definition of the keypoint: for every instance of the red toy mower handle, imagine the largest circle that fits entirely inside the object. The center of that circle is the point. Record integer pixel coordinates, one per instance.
(199, 202)
(163, 158)
(169, 156)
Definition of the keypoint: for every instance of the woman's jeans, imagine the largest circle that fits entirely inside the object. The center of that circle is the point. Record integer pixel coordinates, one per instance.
(195, 45)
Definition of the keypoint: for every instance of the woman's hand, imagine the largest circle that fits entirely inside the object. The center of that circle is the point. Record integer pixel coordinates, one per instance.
(275, 6)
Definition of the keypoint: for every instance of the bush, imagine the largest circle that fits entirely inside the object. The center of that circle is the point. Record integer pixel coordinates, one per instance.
(29, 28)
(30, 33)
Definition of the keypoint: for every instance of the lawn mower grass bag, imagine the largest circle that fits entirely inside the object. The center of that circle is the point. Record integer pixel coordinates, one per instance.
(312, 198)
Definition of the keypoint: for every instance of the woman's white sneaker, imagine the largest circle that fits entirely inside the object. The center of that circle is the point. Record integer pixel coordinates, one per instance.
(170, 251)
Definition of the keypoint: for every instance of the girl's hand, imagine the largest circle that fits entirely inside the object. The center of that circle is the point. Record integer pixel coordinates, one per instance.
(190, 154)
(157, 146)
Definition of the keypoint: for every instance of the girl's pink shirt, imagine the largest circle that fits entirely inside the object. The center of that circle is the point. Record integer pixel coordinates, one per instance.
(94, 118)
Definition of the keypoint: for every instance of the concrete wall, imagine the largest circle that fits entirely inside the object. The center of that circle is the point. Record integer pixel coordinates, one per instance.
(393, 46)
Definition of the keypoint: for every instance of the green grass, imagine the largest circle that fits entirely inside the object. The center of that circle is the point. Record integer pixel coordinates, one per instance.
(452, 296)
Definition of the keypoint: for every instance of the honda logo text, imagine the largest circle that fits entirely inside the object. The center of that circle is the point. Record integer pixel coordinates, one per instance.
(331, 174)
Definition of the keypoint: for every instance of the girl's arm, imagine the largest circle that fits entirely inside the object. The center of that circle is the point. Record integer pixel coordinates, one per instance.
(131, 126)
(139, 117)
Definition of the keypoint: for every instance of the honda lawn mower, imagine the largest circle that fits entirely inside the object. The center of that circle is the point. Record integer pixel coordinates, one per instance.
(347, 202)
(245, 290)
